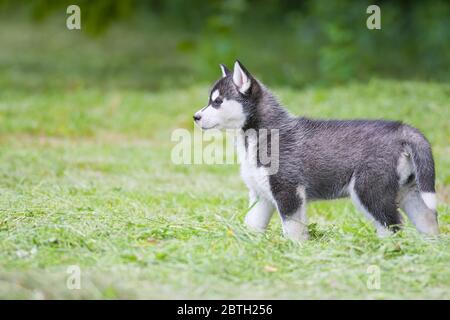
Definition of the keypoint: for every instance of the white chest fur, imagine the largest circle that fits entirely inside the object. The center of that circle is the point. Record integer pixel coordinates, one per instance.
(256, 178)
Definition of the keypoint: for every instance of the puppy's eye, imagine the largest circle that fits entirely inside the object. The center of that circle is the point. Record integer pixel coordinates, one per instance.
(217, 102)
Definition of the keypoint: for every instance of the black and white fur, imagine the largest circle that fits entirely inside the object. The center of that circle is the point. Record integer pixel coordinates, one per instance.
(381, 165)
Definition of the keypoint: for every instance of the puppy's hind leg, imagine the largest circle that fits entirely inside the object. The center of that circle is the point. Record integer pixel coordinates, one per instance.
(377, 202)
(421, 215)
(260, 213)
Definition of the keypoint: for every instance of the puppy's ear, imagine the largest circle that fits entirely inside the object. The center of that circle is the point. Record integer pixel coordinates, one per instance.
(224, 70)
(241, 77)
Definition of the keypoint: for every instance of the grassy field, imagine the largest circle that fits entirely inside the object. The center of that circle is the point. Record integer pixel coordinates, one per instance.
(86, 179)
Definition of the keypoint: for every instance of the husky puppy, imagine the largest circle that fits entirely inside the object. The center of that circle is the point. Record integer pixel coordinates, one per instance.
(381, 165)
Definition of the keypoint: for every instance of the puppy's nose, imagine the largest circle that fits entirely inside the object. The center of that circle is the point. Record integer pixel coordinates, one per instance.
(197, 117)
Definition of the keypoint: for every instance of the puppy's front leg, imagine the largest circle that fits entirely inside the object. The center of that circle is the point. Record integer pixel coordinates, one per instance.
(259, 215)
(292, 209)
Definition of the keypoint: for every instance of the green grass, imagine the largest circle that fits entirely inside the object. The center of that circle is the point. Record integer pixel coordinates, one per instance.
(86, 179)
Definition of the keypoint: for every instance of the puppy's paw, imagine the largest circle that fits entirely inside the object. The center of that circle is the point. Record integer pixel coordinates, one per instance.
(295, 231)
(255, 223)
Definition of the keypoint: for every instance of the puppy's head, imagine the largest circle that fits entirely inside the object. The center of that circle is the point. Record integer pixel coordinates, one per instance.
(232, 100)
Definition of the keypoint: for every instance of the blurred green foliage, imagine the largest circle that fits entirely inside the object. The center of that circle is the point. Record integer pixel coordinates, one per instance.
(288, 42)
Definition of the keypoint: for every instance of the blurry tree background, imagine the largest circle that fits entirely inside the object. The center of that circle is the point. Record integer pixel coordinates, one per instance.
(295, 43)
